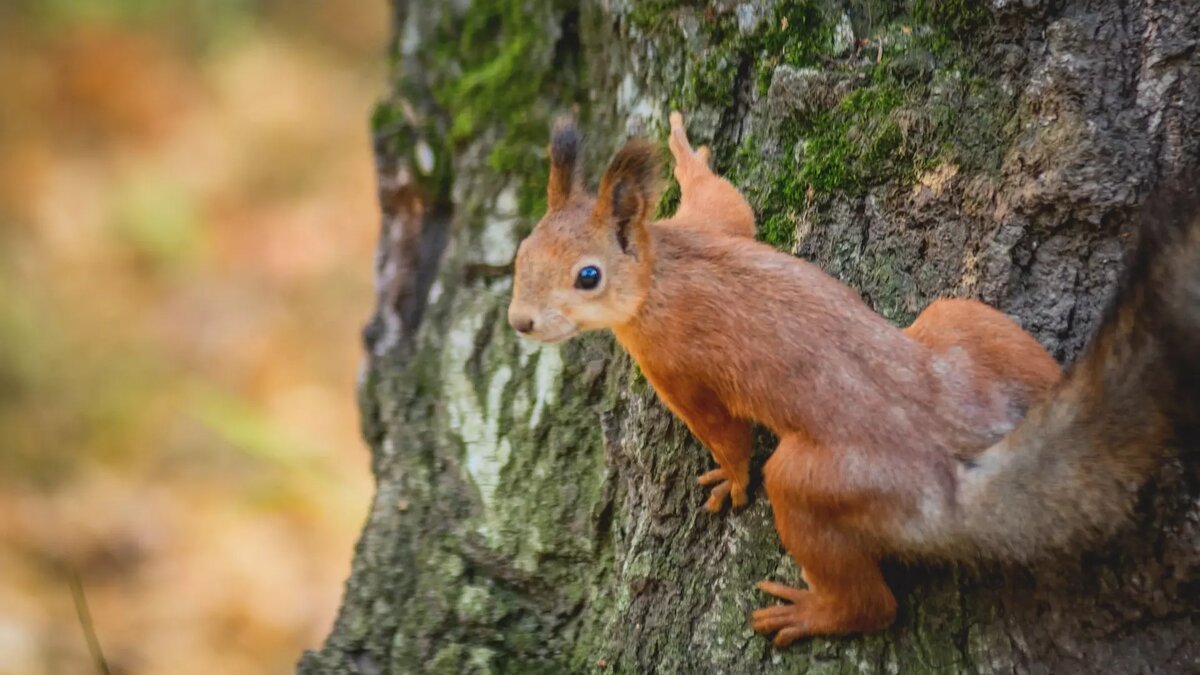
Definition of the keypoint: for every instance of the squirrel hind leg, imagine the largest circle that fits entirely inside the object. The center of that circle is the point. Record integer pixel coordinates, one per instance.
(846, 589)
(847, 592)
(855, 599)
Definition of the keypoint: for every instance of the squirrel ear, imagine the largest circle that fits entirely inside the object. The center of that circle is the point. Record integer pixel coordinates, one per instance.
(565, 174)
(629, 192)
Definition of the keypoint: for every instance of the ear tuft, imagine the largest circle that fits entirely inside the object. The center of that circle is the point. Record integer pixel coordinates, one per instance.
(565, 174)
(630, 188)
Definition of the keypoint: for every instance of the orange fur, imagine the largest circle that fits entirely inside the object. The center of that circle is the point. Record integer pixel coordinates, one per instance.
(880, 429)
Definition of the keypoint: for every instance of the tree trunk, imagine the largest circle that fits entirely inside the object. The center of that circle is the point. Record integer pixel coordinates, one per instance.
(536, 508)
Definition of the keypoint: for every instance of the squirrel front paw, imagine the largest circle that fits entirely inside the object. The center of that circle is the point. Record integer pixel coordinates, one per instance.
(724, 485)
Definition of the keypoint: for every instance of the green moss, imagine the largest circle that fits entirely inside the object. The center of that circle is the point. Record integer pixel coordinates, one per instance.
(778, 231)
(447, 661)
(669, 202)
(654, 15)
(509, 65)
(798, 35)
(476, 606)
(419, 143)
(481, 661)
(860, 142)
(798, 32)
(888, 279)
(869, 138)
(977, 120)
(953, 21)
(889, 130)
(773, 187)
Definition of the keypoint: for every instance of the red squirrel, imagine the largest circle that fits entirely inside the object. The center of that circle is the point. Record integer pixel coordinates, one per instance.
(953, 438)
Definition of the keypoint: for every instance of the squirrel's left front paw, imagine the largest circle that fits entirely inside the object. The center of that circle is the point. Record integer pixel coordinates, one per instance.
(723, 486)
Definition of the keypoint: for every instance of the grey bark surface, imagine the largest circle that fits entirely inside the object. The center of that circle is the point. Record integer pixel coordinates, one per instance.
(536, 508)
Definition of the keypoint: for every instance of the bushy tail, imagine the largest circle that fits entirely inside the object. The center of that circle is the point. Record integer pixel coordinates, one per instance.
(1069, 473)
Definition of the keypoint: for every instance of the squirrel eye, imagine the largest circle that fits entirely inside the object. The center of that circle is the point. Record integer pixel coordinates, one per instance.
(588, 278)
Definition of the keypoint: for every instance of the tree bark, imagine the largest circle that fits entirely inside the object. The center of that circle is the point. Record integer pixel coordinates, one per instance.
(536, 508)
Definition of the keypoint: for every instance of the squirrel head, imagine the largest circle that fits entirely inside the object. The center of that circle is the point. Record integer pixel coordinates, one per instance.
(587, 264)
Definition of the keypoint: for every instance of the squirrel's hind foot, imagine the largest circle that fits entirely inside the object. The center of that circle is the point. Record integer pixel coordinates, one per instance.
(812, 613)
(723, 487)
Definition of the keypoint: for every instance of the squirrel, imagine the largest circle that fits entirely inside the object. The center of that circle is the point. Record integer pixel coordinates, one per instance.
(956, 438)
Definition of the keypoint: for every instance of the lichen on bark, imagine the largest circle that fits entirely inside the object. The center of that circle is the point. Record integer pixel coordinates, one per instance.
(536, 508)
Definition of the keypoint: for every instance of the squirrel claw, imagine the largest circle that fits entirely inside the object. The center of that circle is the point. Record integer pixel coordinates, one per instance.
(722, 487)
(716, 498)
(821, 613)
(788, 622)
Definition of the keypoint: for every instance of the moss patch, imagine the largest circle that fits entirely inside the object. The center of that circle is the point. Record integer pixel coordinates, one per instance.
(774, 188)
(515, 65)
(797, 33)
(953, 21)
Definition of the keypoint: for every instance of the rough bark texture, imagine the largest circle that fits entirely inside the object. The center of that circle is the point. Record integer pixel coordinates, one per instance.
(536, 510)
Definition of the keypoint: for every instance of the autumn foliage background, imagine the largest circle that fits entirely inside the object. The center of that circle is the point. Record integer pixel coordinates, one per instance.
(187, 222)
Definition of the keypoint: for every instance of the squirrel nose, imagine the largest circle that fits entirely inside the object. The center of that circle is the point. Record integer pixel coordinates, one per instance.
(523, 324)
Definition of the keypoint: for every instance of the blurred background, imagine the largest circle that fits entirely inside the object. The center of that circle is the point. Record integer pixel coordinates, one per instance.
(187, 224)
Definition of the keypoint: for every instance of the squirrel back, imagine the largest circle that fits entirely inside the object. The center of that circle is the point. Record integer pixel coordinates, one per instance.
(1068, 475)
